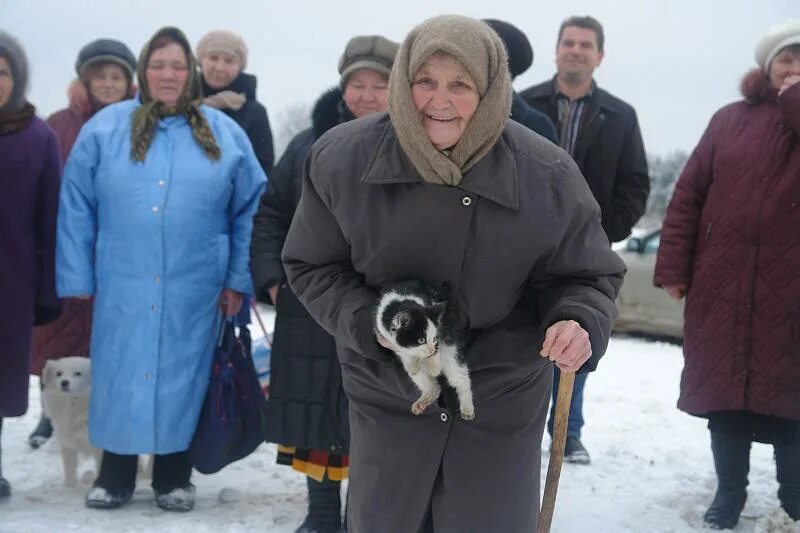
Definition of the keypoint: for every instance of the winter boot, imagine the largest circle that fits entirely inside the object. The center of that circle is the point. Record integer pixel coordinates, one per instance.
(324, 507)
(575, 452)
(115, 482)
(732, 463)
(100, 498)
(179, 500)
(40, 435)
(787, 460)
(5, 486)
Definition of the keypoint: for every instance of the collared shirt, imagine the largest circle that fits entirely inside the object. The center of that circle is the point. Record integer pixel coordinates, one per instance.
(570, 113)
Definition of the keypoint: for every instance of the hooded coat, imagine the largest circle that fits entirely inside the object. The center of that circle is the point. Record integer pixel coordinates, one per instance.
(30, 171)
(312, 412)
(731, 235)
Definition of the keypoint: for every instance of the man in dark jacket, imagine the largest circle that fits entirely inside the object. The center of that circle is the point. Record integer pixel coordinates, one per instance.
(520, 59)
(601, 132)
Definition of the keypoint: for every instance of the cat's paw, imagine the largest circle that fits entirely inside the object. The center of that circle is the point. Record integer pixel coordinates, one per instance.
(419, 406)
(468, 412)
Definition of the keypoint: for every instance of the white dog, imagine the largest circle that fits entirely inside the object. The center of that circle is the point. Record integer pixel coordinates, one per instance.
(66, 386)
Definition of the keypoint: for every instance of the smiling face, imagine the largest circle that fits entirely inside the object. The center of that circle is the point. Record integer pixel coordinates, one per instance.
(107, 83)
(366, 92)
(446, 97)
(6, 82)
(167, 72)
(577, 54)
(220, 69)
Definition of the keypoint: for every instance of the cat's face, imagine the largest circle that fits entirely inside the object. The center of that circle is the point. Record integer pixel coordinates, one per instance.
(414, 331)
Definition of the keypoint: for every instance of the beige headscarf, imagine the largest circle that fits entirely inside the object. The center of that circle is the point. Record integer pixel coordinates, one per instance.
(478, 48)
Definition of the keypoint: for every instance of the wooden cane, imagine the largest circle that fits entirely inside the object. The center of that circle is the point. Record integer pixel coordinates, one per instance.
(563, 400)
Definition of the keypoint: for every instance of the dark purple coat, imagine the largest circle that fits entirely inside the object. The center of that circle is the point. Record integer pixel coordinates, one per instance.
(732, 235)
(30, 173)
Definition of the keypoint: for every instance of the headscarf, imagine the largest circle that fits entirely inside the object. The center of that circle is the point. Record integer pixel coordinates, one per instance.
(482, 53)
(147, 116)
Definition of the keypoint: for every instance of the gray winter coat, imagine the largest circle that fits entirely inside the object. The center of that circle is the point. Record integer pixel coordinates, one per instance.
(520, 243)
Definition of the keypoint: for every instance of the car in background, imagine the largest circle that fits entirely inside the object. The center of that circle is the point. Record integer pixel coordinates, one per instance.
(643, 308)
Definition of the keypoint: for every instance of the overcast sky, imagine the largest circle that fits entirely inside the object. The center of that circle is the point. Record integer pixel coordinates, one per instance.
(675, 61)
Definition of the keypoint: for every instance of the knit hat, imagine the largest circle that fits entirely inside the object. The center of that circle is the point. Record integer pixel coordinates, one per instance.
(225, 42)
(372, 52)
(11, 50)
(147, 116)
(520, 53)
(777, 38)
(481, 52)
(106, 50)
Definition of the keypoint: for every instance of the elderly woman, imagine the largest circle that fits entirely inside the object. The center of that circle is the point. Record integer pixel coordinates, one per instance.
(307, 409)
(155, 222)
(730, 243)
(446, 189)
(223, 57)
(28, 204)
(105, 70)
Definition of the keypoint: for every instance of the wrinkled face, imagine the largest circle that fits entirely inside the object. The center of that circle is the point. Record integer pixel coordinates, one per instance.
(108, 83)
(785, 64)
(577, 54)
(72, 375)
(167, 71)
(220, 69)
(366, 92)
(6, 82)
(446, 97)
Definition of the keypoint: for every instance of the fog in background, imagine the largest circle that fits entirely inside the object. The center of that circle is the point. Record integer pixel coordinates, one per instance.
(676, 62)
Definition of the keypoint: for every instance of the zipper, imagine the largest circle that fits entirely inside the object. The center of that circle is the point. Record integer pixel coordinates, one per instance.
(708, 231)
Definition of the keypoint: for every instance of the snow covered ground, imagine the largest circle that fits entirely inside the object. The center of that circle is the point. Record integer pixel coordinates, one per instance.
(651, 471)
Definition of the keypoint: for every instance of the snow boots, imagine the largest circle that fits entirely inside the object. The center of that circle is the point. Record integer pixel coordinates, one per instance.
(787, 461)
(732, 463)
(324, 507)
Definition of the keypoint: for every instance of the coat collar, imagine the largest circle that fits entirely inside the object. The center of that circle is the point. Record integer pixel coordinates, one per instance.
(494, 177)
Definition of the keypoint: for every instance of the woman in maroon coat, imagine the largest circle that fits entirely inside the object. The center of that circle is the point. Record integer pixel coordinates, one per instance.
(29, 181)
(731, 244)
(105, 76)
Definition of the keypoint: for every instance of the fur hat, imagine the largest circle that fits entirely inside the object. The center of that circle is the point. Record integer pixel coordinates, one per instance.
(372, 52)
(777, 38)
(520, 53)
(223, 41)
(106, 50)
(481, 52)
(12, 51)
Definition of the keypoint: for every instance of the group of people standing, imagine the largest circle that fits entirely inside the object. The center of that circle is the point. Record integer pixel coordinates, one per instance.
(411, 169)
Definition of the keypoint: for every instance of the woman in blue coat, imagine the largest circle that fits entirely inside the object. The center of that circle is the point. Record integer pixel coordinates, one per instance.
(155, 218)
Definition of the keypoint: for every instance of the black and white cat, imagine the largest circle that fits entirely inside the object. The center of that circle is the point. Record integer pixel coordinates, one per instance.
(411, 316)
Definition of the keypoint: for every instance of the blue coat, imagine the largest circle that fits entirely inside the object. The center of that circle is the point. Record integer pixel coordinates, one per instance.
(155, 243)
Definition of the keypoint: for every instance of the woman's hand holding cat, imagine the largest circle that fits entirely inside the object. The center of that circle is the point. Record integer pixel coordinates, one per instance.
(567, 344)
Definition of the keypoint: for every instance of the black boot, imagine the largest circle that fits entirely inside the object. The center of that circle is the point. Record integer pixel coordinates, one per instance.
(787, 460)
(5, 486)
(732, 463)
(115, 483)
(324, 507)
(40, 435)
